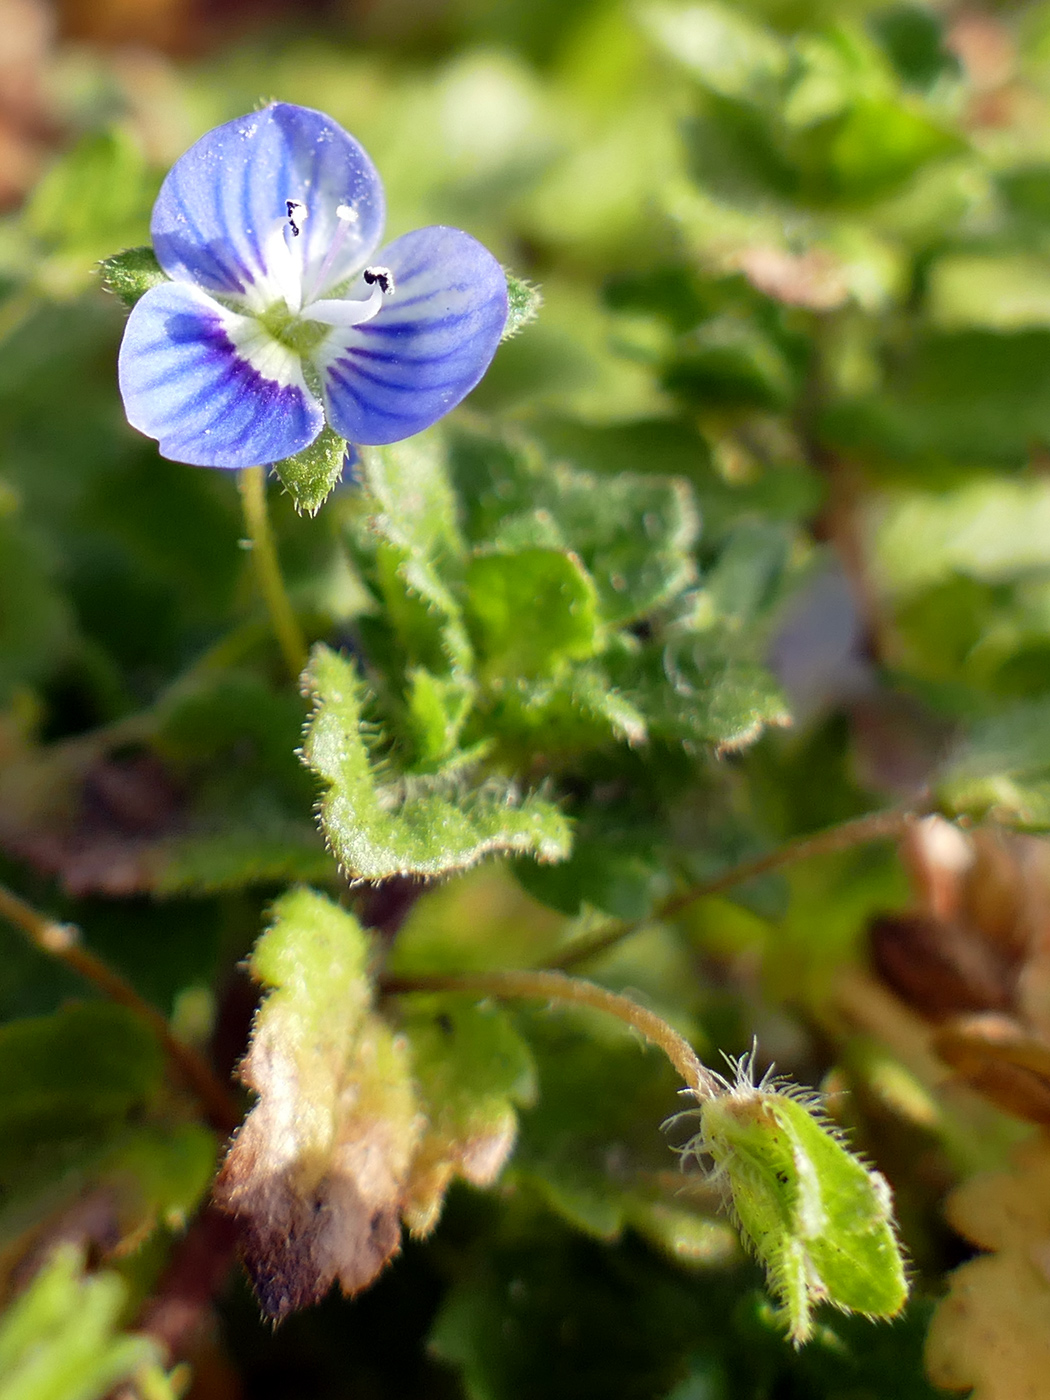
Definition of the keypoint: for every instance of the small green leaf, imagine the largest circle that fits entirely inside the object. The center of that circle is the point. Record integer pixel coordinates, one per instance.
(635, 534)
(579, 709)
(130, 275)
(61, 1340)
(1002, 767)
(818, 1220)
(423, 550)
(381, 823)
(531, 612)
(472, 1067)
(523, 305)
(315, 1174)
(700, 688)
(438, 707)
(312, 474)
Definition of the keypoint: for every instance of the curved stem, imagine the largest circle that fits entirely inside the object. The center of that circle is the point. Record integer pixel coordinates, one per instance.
(875, 826)
(62, 941)
(252, 482)
(555, 986)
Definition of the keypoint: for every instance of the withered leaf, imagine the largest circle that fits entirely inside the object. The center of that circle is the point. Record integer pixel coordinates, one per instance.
(992, 1332)
(472, 1068)
(940, 968)
(315, 1175)
(1001, 1060)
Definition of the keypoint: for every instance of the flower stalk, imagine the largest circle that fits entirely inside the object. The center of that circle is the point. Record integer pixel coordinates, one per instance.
(556, 986)
(252, 483)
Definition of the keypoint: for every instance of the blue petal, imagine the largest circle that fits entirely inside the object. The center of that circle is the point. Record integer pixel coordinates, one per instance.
(190, 377)
(221, 218)
(431, 342)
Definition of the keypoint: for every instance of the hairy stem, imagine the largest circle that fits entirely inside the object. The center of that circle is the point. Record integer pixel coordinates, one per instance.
(555, 986)
(252, 481)
(63, 941)
(875, 826)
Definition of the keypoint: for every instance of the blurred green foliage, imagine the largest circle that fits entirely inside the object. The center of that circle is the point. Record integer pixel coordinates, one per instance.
(745, 534)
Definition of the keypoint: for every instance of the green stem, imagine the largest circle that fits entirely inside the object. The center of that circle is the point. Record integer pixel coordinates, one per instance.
(874, 826)
(555, 986)
(62, 941)
(252, 481)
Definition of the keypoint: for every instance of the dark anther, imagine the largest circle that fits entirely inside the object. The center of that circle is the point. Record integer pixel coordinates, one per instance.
(383, 276)
(295, 211)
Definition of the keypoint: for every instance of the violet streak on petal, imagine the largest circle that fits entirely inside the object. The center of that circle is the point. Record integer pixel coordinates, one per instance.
(429, 344)
(188, 379)
(221, 218)
(267, 228)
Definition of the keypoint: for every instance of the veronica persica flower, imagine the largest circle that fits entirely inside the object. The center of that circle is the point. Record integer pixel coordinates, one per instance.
(280, 314)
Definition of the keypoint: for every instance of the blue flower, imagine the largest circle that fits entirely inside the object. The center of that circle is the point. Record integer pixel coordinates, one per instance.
(280, 314)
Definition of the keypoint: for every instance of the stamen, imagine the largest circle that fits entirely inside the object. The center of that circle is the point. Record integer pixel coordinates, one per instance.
(296, 214)
(347, 218)
(346, 312)
(381, 275)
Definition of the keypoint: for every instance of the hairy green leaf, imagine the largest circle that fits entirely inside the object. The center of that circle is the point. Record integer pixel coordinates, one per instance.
(817, 1218)
(422, 552)
(379, 823)
(531, 612)
(696, 688)
(634, 534)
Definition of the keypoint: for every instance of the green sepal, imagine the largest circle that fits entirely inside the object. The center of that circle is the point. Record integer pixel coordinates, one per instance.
(523, 304)
(311, 475)
(130, 275)
(817, 1218)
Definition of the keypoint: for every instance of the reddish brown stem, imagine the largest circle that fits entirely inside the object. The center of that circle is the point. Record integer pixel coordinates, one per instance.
(876, 826)
(63, 941)
(555, 986)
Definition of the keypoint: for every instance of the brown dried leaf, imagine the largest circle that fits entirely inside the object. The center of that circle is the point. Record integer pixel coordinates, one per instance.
(94, 821)
(316, 1174)
(813, 279)
(992, 1331)
(940, 968)
(472, 1067)
(998, 1058)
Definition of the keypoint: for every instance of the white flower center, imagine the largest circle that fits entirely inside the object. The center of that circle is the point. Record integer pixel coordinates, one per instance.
(287, 304)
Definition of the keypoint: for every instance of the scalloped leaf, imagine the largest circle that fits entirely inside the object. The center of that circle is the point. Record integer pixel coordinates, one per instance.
(422, 553)
(380, 823)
